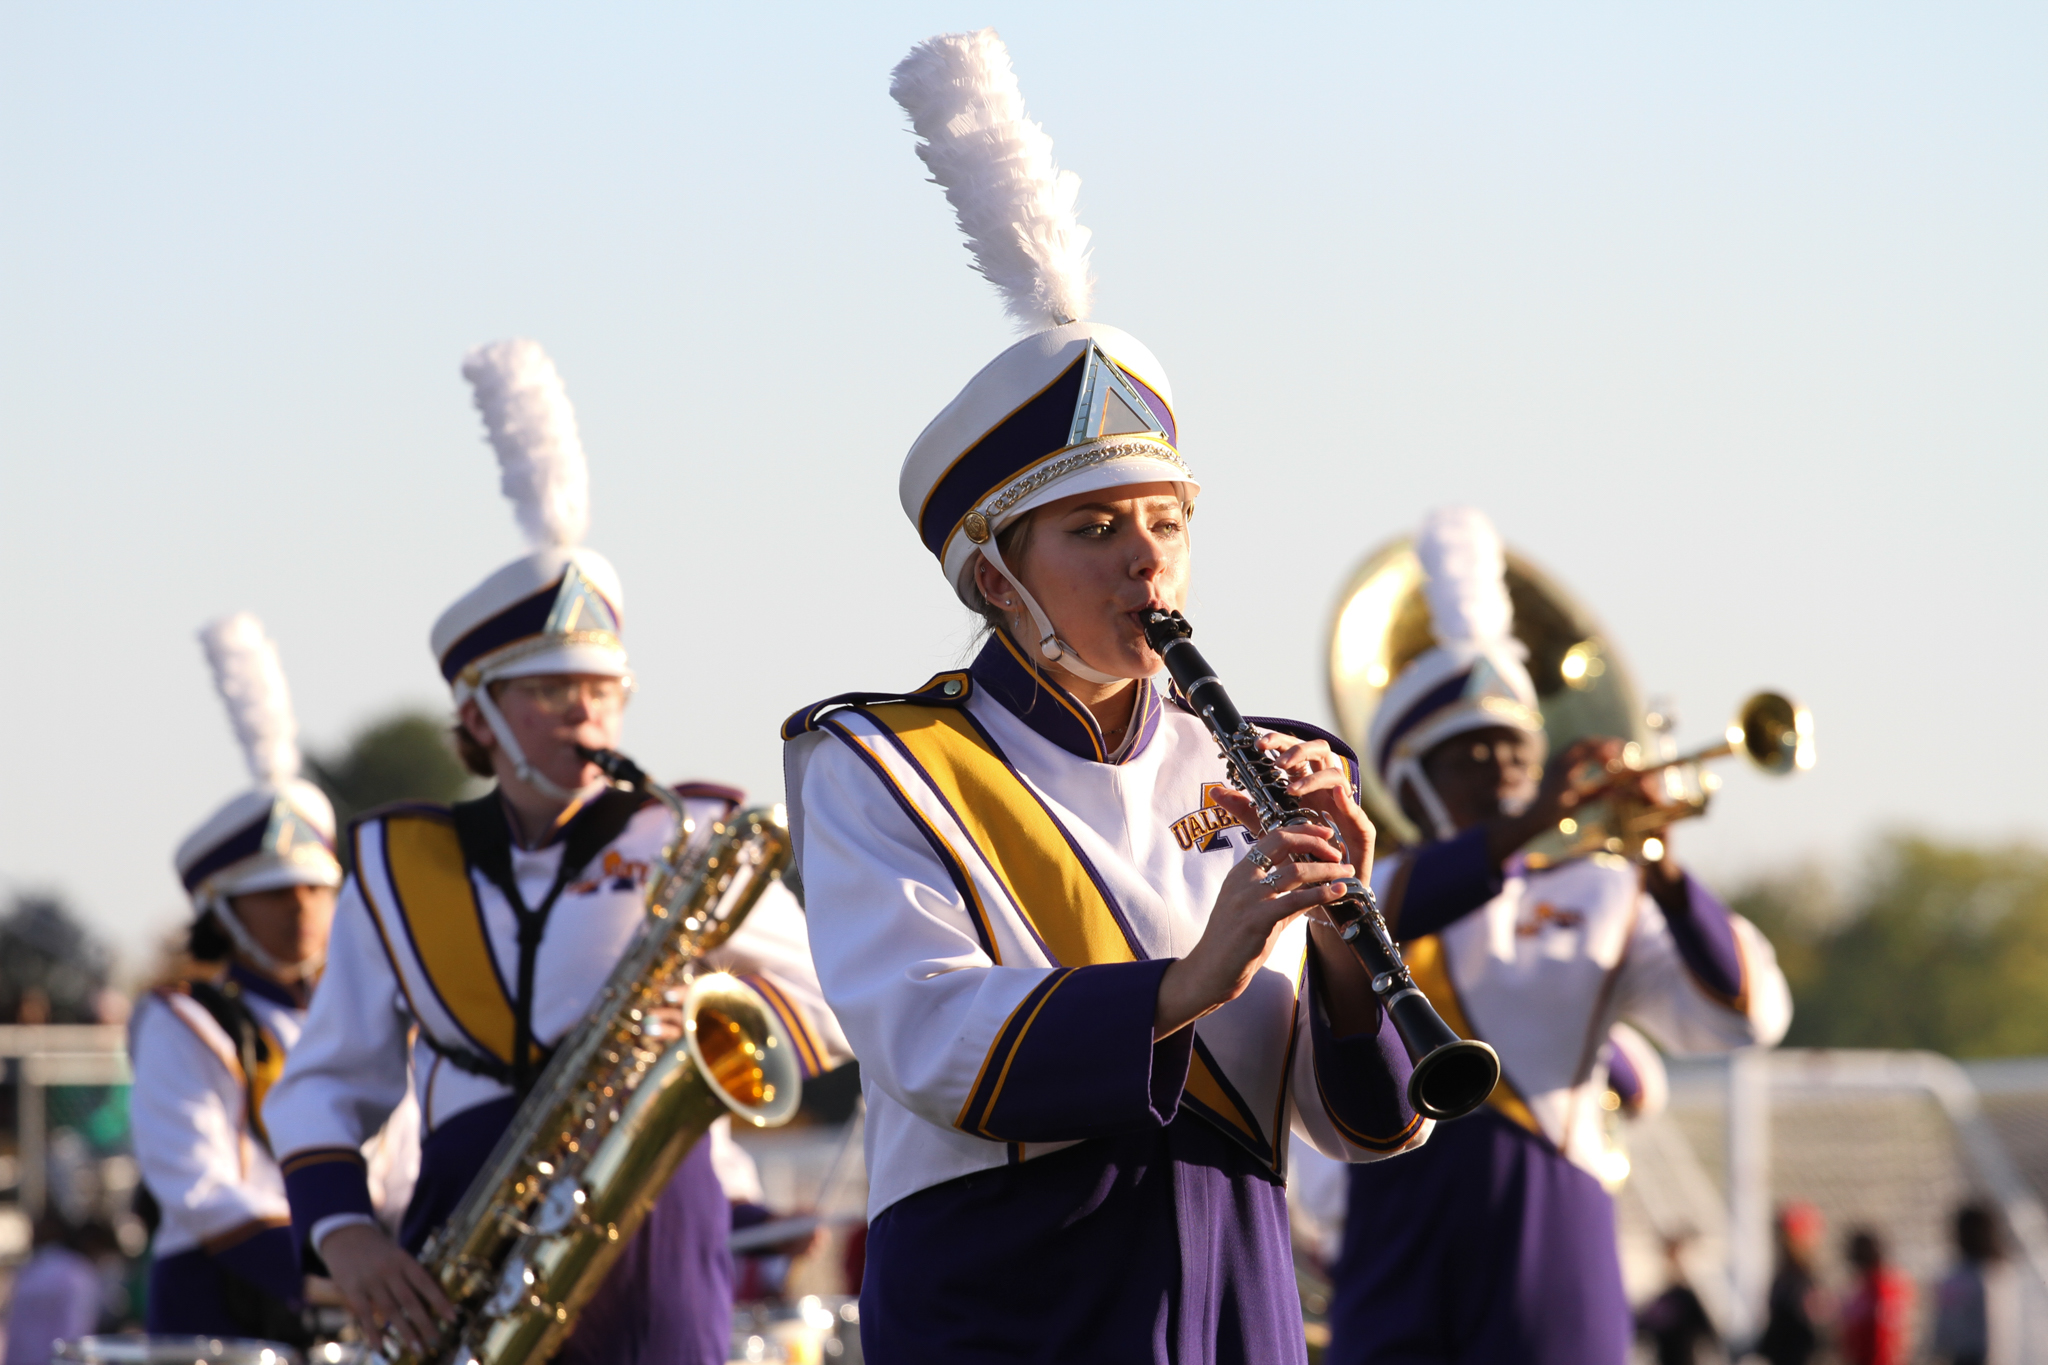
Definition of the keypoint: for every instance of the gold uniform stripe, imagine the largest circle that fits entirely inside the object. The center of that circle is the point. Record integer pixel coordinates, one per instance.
(1023, 846)
(1030, 855)
(1203, 1087)
(426, 866)
(1425, 959)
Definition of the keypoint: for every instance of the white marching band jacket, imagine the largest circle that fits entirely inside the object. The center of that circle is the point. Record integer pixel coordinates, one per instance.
(992, 901)
(199, 1142)
(403, 989)
(1544, 968)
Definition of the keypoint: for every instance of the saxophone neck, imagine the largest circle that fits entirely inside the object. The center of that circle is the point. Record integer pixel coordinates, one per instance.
(627, 776)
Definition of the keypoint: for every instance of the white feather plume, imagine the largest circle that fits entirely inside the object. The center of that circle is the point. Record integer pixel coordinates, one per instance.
(1015, 206)
(1467, 580)
(532, 427)
(251, 681)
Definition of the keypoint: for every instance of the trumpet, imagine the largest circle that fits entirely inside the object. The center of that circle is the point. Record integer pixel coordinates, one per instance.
(1771, 730)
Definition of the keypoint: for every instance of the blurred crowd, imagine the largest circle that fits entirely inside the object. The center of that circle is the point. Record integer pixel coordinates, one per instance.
(1880, 1317)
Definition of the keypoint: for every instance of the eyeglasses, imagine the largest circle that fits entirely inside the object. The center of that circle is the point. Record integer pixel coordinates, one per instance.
(556, 695)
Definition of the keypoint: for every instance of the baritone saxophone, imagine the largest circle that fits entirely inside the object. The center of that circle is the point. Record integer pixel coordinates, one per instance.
(614, 1112)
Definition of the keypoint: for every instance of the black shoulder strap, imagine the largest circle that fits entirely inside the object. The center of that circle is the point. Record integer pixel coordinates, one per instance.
(485, 832)
(238, 1021)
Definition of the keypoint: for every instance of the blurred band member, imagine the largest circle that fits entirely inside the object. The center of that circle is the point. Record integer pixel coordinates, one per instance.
(261, 874)
(1496, 1242)
(552, 865)
(1085, 1034)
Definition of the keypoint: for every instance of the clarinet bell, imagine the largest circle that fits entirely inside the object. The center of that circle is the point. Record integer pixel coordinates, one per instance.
(1452, 1075)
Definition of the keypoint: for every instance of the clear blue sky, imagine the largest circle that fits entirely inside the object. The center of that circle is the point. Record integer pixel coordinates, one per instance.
(1732, 315)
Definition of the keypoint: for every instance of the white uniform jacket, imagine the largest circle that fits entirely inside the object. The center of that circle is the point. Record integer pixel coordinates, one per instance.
(993, 898)
(1544, 967)
(202, 1151)
(404, 990)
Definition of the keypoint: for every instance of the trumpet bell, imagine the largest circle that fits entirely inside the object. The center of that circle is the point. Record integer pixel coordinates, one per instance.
(1775, 733)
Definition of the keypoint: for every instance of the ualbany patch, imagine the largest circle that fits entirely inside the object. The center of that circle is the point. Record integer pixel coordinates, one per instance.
(1202, 831)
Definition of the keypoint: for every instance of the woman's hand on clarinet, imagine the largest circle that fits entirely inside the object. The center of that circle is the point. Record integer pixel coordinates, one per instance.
(1258, 899)
(1321, 782)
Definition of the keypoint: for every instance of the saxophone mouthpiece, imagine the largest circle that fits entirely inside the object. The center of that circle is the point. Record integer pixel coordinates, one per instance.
(623, 771)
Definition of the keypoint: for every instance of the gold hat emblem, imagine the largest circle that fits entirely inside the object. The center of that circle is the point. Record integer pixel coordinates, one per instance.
(976, 527)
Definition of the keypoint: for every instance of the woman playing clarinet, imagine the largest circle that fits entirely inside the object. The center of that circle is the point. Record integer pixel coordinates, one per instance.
(1082, 983)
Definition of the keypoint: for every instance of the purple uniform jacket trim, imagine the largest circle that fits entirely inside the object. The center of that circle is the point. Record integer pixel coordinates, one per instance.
(710, 791)
(323, 1189)
(1623, 1078)
(254, 982)
(270, 1261)
(1481, 1247)
(1076, 1060)
(1050, 710)
(1446, 880)
(190, 1292)
(450, 1157)
(185, 1297)
(1704, 930)
(1155, 1245)
(1362, 1079)
(667, 1301)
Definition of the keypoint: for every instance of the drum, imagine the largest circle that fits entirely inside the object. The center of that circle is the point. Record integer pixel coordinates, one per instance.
(138, 1349)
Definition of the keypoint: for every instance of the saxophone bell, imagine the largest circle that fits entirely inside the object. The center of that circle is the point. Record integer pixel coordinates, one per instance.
(618, 1105)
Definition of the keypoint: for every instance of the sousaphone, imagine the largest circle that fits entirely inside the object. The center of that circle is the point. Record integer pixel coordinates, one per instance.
(1382, 622)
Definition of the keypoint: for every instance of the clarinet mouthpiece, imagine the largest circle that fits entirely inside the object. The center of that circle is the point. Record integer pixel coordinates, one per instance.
(1162, 628)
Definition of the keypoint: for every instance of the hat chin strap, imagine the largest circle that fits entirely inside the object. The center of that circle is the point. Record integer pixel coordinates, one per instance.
(247, 945)
(1409, 771)
(526, 772)
(1050, 645)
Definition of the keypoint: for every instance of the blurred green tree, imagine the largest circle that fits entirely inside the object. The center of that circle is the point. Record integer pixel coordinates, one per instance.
(50, 961)
(406, 756)
(1938, 946)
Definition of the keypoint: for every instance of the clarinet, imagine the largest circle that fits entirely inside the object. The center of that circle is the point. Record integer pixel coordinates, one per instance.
(1452, 1076)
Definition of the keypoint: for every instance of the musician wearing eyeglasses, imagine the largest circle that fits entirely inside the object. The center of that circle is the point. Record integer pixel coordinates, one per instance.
(1089, 1010)
(1496, 1243)
(468, 940)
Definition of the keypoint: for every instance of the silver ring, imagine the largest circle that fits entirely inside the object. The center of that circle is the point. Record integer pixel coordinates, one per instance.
(1271, 879)
(1257, 857)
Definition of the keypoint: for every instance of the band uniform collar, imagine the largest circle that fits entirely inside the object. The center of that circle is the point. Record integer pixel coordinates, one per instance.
(253, 982)
(1053, 712)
